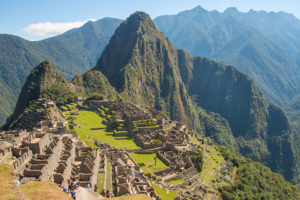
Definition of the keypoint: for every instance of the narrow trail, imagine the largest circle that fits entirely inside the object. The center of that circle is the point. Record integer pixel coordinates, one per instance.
(85, 194)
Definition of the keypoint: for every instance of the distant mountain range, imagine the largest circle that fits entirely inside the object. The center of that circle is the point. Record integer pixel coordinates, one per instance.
(72, 52)
(263, 45)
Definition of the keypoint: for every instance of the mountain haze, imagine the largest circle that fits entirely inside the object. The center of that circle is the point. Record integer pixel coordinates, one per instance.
(266, 51)
(262, 45)
(72, 52)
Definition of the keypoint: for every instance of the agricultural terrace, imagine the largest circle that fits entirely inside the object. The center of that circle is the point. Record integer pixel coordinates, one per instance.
(147, 163)
(89, 126)
(211, 166)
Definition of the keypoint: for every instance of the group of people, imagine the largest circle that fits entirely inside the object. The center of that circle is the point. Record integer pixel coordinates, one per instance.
(72, 186)
(106, 194)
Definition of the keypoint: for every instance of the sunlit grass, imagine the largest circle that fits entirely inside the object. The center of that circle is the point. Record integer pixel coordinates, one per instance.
(162, 193)
(149, 162)
(90, 126)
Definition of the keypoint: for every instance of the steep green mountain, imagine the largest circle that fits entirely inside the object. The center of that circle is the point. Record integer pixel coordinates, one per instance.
(72, 52)
(262, 130)
(293, 111)
(43, 81)
(146, 68)
(262, 45)
(149, 71)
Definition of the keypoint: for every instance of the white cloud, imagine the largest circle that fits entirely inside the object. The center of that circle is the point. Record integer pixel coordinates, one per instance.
(48, 29)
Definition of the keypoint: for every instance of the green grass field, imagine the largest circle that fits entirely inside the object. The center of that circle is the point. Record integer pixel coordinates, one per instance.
(108, 177)
(148, 160)
(176, 182)
(163, 194)
(100, 182)
(87, 120)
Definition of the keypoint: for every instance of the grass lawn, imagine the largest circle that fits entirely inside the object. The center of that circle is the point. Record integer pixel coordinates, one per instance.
(176, 182)
(88, 120)
(7, 189)
(148, 160)
(132, 197)
(163, 194)
(108, 177)
(100, 182)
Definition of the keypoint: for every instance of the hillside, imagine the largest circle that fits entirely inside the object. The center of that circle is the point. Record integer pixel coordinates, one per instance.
(127, 149)
(249, 41)
(151, 72)
(72, 52)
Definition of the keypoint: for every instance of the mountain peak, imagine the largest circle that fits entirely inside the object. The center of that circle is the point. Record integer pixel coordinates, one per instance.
(127, 41)
(231, 10)
(139, 22)
(39, 79)
(139, 16)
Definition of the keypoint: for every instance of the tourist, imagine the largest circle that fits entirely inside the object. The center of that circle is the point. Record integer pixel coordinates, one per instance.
(95, 188)
(65, 189)
(70, 188)
(73, 194)
(88, 186)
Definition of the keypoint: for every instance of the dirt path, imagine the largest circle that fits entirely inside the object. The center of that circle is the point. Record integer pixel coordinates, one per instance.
(85, 194)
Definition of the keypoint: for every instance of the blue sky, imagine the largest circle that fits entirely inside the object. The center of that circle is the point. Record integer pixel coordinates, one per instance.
(26, 18)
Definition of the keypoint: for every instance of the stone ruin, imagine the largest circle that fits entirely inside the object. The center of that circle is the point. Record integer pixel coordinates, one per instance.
(86, 167)
(42, 111)
(50, 153)
(127, 177)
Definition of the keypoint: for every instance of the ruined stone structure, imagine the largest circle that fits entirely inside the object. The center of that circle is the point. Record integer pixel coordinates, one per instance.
(127, 177)
(63, 171)
(43, 163)
(86, 167)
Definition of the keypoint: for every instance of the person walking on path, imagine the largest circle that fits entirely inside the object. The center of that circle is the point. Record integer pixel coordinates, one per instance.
(73, 194)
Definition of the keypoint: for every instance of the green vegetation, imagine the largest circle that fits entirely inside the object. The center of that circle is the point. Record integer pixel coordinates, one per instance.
(147, 163)
(60, 93)
(108, 177)
(73, 53)
(255, 181)
(100, 182)
(176, 182)
(90, 126)
(266, 54)
(198, 160)
(43, 81)
(163, 194)
(211, 162)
